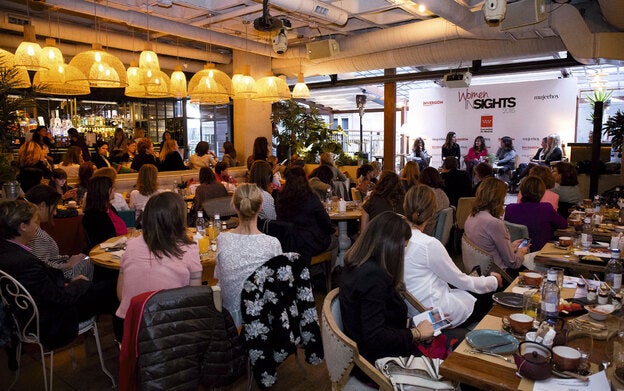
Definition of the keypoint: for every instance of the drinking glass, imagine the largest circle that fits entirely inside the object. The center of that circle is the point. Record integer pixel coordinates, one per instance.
(581, 339)
(531, 302)
(559, 271)
(204, 245)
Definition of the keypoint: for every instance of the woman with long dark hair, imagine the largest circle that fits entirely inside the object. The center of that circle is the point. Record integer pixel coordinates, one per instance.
(229, 155)
(261, 174)
(388, 195)
(506, 155)
(163, 256)
(260, 151)
(100, 219)
(373, 311)
(420, 154)
(478, 153)
(299, 205)
(450, 147)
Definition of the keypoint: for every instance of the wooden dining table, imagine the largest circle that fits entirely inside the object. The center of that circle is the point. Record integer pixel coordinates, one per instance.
(110, 259)
(493, 373)
(552, 256)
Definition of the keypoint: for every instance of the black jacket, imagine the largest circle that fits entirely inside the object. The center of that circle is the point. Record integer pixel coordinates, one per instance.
(56, 302)
(98, 227)
(100, 161)
(171, 162)
(456, 185)
(143, 158)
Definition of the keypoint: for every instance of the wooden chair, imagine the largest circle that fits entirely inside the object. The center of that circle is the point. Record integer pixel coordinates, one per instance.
(444, 224)
(464, 206)
(473, 256)
(25, 314)
(356, 194)
(326, 259)
(517, 231)
(341, 352)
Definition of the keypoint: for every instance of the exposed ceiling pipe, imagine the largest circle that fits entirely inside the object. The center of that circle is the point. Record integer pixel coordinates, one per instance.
(77, 33)
(318, 9)
(69, 50)
(613, 12)
(586, 47)
(451, 11)
(444, 52)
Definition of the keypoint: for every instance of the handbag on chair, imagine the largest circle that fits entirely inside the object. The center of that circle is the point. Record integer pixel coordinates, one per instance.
(413, 373)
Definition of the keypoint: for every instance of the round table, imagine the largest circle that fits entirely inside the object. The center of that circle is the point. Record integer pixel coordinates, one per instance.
(99, 256)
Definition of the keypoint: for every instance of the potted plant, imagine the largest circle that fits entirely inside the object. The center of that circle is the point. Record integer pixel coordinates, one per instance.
(614, 128)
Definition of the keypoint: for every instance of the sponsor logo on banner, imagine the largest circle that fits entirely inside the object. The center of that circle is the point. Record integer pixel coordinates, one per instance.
(487, 123)
(546, 97)
(433, 102)
(478, 100)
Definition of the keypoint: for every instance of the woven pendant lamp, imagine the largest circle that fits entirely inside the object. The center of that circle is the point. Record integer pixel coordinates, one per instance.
(20, 78)
(210, 86)
(272, 89)
(53, 81)
(28, 53)
(51, 56)
(102, 70)
(158, 84)
(244, 86)
(134, 89)
(300, 90)
(148, 59)
(178, 83)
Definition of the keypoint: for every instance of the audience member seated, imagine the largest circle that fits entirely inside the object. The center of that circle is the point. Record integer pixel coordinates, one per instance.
(100, 156)
(85, 172)
(410, 175)
(456, 182)
(388, 195)
(505, 156)
(276, 167)
(43, 245)
(208, 188)
(242, 250)
(261, 175)
(62, 303)
(118, 146)
(481, 171)
(478, 153)
(485, 228)
(431, 177)
(32, 164)
(118, 201)
(297, 204)
(546, 175)
(365, 182)
(59, 183)
(145, 155)
(566, 187)
(146, 187)
(163, 256)
(374, 314)
(524, 168)
(541, 152)
(540, 217)
(71, 163)
(229, 155)
(223, 176)
(202, 157)
(100, 219)
(451, 148)
(327, 159)
(420, 155)
(170, 157)
(260, 151)
(76, 139)
(430, 272)
(320, 181)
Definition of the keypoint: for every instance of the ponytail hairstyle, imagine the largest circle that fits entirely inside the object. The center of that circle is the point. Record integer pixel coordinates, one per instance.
(420, 204)
(247, 201)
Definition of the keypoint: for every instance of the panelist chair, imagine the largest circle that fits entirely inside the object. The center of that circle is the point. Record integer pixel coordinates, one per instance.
(18, 300)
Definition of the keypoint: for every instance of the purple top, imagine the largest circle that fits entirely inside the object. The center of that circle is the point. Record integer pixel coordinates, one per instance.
(540, 218)
(492, 236)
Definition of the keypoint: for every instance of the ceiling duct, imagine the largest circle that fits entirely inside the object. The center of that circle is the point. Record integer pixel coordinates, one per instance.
(315, 8)
(524, 13)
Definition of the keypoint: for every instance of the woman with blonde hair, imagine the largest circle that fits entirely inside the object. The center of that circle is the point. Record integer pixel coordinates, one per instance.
(410, 175)
(32, 164)
(170, 157)
(147, 186)
(242, 250)
(485, 228)
(430, 271)
(71, 163)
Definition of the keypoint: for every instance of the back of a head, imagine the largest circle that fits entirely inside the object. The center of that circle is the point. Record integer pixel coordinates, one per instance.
(228, 148)
(164, 224)
(261, 174)
(220, 167)
(545, 174)
(144, 145)
(72, 156)
(490, 196)
(431, 177)
(327, 159)
(206, 176)
(450, 163)
(363, 170)
(532, 189)
(260, 148)
(109, 172)
(411, 172)
(389, 185)
(382, 241)
(247, 200)
(43, 193)
(98, 193)
(202, 148)
(420, 204)
(72, 132)
(85, 172)
(325, 174)
(169, 146)
(483, 170)
(568, 174)
(147, 179)
(13, 213)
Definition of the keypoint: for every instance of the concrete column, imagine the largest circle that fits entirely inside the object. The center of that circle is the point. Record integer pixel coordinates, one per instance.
(389, 122)
(251, 118)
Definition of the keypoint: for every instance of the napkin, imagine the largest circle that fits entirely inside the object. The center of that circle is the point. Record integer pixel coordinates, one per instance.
(115, 243)
(597, 382)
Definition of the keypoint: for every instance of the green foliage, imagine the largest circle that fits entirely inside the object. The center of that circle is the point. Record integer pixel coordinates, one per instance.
(304, 131)
(597, 96)
(614, 128)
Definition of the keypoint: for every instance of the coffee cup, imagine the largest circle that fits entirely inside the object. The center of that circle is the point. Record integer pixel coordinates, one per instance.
(565, 241)
(519, 323)
(72, 204)
(532, 278)
(566, 358)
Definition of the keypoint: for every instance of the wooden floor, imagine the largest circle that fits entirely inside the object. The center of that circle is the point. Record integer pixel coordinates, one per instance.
(87, 374)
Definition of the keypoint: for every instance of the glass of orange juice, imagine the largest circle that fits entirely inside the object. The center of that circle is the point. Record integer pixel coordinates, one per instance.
(204, 245)
(531, 302)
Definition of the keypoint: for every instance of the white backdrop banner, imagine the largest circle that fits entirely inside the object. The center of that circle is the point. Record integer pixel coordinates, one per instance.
(526, 111)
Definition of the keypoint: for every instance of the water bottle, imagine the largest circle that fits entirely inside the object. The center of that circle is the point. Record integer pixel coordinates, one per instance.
(596, 204)
(613, 270)
(200, 223)
(549, 308)
(586, 235)
(217, 222)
